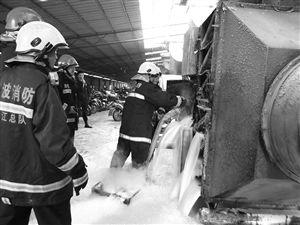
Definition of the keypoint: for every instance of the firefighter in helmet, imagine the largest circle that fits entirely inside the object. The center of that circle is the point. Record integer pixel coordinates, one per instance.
(67, 89)
(39, 166)
(136, 129)
(15, 19)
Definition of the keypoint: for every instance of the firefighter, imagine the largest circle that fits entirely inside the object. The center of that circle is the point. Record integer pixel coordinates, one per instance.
(15, 19)
(39, 166)
(136, 128)
(67, 89)
(83, 97)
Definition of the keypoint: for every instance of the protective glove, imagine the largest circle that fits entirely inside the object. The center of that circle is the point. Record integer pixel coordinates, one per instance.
(78, 188)
(79, 175)
(161, 110)
(160, 113)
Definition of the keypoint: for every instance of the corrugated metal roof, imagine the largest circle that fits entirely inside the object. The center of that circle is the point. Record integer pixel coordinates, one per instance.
(105, 36)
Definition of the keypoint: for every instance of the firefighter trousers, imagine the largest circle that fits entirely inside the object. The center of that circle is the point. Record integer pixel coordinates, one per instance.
(58, 214)
(139, 153)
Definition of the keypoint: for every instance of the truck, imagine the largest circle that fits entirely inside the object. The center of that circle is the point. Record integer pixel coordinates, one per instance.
(248, 69)
(245, 61)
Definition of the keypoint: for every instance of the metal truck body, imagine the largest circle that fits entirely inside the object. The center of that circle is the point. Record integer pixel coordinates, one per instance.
(250, 76)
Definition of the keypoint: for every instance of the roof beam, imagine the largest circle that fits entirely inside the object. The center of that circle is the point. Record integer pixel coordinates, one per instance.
(109, 63)
(87, 24)
(120, 31)
(124, 70)
(108, 20)
(118, 56)
(138, 60)
(94, 73)
(125, 11)
(103, 33)
(128, 17)
(144, 57)
(127, 72)
(131, 40)
(124, 76)
(61, 23)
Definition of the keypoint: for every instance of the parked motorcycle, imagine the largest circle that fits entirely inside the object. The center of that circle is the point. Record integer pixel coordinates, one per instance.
(94, 104)
(116, 110)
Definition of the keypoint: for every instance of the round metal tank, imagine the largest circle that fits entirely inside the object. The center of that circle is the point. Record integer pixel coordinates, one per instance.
(281, 120)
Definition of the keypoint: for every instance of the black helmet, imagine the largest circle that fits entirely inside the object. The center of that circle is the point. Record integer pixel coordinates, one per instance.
(15, 19)
(67, 60)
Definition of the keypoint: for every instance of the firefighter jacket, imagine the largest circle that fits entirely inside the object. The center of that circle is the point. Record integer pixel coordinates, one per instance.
(67, 90)
(38, 163)
(138, 110)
